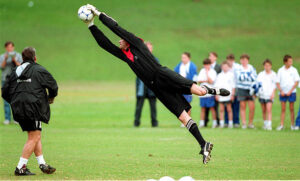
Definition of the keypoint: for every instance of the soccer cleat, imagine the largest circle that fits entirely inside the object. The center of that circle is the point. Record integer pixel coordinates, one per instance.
(216, 91)
(206, 152)
(47, 169)
(24, 171)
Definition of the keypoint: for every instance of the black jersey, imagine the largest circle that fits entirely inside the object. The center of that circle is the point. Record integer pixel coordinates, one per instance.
(137, 56)
(167, 85)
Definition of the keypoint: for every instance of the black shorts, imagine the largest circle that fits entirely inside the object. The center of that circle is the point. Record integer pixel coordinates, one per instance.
(30, 125)
(169, 88)
(244, 95)
(265, 101)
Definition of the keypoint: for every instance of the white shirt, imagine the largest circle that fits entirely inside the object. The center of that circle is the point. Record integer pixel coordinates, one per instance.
(268, 84)
(287, 78)
(245, 77)
(225, 80)
(184, 69)
(202, 77)
(213, 64)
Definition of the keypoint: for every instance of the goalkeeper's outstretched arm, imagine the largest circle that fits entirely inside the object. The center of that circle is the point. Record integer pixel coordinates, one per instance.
(105, 43)
(118, 30)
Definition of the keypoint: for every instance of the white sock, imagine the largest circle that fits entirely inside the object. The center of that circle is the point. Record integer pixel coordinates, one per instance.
(22, 161)
(201, 123)
(265, 123)
(269, 123)
(222, 123)
(40, 159)
(230, 122)
(215, 123)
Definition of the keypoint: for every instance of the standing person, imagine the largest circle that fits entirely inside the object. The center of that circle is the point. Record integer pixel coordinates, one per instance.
(235, 104)
(187, 69)
(26, 91)
(167, 85)
(207, 77)
(213, 56)
(287, 82)
(245, 77)
(226, 79)
(267, 79)
(143, 92)
(298, 117)
(8, 60)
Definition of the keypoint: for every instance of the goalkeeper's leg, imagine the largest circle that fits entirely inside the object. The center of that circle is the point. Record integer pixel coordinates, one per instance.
(206, 147)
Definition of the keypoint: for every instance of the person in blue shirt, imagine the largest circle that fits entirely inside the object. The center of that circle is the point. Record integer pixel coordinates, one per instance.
(187, 69)
(143, 92)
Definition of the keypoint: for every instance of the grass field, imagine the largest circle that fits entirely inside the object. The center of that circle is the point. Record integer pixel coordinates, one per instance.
(91, 136)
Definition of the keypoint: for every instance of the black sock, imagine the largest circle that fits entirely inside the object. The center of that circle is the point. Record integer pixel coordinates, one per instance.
(193, 128)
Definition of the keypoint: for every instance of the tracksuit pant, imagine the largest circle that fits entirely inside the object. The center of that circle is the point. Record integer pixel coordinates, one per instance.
(235, 111)
(139, 107)
(7, 112)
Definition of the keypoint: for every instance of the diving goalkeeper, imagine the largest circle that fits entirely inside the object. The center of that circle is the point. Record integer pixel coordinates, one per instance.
(167, 85)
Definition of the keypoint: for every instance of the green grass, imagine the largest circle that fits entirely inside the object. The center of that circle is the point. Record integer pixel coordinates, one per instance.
(262, 28)
(90, 136)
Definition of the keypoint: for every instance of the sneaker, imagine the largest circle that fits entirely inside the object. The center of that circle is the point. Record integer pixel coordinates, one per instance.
(269, 128)
(206, 152)
(6, 122)
(230, 126)
(201, 124)
(216, 91)
(279, 128)
(15, 122)
(236, 125)
(296, 128)
(251, 126)
(24, 171)
(244, 126)
(293, 128)
(47, 169)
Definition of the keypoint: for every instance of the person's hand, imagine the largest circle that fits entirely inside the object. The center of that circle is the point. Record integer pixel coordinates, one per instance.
(13, 59)
(289, 93)
(6, 56)
(90, 23)
(217, 98)
(272, 96)
(232, 98)
(51, 100)
(282, 93)
(93, 9)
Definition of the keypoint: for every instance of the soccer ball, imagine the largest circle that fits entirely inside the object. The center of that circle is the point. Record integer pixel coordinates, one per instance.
(84, 14)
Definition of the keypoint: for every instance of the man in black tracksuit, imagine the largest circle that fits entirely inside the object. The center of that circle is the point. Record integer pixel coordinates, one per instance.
(26, 91)
(167, 85)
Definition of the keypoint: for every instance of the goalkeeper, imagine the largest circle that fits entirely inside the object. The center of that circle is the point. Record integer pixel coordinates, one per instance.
(167, 85)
